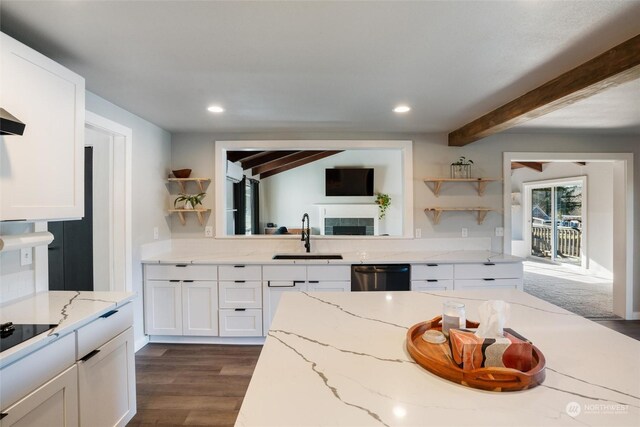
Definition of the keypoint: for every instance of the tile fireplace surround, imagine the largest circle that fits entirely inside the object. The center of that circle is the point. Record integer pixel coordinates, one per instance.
(349, 215)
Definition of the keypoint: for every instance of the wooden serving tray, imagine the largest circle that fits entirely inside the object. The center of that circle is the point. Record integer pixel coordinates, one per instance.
(436, 358)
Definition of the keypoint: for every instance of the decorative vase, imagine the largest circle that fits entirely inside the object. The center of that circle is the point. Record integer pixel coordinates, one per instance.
(188, 205)
(460, 171)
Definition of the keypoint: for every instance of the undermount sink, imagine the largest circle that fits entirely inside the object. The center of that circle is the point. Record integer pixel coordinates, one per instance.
(307, 256)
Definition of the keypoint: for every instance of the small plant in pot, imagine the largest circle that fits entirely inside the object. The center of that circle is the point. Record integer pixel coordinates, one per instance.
(383, 201)
(461, 168)
(191, 201)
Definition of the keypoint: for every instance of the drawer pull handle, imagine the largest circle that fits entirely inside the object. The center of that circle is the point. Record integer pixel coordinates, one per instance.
(109, 314)
(239, 281)
(238, 266)
(488, 280)
(90, 355)
(489, 263)
(174, 281)
(188, 281)
(432, 280)
(432, 265)
(314, 281)
(284, 286)
(239, 309)
(3, 414)
(181, 265)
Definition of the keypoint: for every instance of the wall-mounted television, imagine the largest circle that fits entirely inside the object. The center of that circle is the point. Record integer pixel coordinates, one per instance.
(349, 182)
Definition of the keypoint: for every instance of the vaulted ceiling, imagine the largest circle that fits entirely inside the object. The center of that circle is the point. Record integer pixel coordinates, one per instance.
(332, 66)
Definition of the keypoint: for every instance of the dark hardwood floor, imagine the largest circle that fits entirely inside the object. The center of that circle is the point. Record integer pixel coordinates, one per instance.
(188, 384)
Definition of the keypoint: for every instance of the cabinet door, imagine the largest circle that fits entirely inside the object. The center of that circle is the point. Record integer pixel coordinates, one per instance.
(199, 308)
(107, 384)
(328, 286)
(42, 171)
(55, 404)
(272, 292)
(163, 307)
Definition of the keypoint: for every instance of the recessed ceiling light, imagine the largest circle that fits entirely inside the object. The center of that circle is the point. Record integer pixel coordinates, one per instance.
(402, 109)
(216, 109)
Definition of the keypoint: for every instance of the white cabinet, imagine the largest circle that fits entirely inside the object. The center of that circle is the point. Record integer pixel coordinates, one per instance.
(240, 322)
(431, 285)
(42, 170)
(181, 299)
(54, 404)
(488, 275)
(431, 277)
(106, 383)
(199, 308)
(163, 307)
(240, 294)
(300, 278)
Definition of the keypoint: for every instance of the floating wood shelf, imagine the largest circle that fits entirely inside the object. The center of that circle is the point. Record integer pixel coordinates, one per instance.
(480, 212)
(181, 212)
(481, 183)
(183, 181)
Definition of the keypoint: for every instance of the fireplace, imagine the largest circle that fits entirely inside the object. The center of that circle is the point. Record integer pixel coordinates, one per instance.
(349, 219)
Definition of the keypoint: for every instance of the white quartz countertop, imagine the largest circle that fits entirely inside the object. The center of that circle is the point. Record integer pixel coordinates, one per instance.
(362, 257)
(70, 310)
(339, 359)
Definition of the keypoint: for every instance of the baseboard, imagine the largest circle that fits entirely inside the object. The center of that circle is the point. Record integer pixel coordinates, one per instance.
(141, 342)
(165, 339)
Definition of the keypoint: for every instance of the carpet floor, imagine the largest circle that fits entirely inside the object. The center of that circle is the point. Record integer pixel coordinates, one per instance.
(582, 294)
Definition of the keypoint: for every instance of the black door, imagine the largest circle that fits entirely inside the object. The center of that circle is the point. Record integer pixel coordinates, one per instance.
(71, 252)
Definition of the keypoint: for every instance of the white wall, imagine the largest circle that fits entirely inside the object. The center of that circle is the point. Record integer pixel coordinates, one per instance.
(151, 157)
(16, 281)
(286, 196)
(599, 208)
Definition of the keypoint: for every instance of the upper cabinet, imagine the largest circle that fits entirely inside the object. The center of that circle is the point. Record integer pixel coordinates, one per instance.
(41, 172)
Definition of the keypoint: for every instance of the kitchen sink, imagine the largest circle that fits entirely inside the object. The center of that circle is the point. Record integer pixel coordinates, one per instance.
(307, 256)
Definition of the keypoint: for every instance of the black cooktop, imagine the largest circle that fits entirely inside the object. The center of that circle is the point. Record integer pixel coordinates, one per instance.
(12, 335)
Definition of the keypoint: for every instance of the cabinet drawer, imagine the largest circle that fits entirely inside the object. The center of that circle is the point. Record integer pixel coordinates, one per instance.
(27, 374)
(329, 272)
(488, 271)
(103, 329)
(488, 284)
(240, 272)
(431, 271)
(328, 286)
(240, 322)
(432, 285)
(240, 295)
(285, 272)
(181, 272)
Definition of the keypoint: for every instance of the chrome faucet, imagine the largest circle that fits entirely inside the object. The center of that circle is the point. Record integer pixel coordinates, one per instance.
(306, 233)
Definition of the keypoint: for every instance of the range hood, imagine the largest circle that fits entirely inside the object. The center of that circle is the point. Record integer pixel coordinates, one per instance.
(9, 125)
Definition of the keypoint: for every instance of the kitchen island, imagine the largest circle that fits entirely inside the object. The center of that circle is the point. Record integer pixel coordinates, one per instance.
(339, 359)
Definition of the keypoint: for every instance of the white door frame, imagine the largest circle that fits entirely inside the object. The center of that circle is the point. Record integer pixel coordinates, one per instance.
(623, 230)
(121, 238)
(526, 226)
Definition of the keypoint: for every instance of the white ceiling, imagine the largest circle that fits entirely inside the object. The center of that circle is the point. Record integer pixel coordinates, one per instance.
(332, 66)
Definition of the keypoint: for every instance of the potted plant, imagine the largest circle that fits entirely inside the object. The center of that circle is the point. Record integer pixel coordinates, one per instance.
(191, 201)
(461, 168)
(383, 201)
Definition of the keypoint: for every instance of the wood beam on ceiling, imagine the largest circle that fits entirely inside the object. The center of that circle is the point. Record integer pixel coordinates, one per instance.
(265, 157)
(235, 156)
(274, 164)
(311, 158)
(615, 66)
(536, 166)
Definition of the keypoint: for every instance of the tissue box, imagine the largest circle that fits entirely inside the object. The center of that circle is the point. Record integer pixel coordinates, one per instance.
(472, 352)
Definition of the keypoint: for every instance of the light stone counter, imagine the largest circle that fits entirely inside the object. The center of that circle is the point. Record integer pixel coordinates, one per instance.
(362, 257)
(339, 359)
(70, 310)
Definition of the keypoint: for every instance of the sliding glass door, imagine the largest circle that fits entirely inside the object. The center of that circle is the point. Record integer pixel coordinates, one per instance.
(556, 222)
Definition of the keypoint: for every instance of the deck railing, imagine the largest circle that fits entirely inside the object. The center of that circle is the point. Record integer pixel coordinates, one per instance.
(569, 241)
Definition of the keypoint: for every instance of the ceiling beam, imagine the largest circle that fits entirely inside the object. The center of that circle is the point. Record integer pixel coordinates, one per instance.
(536, 166)
(265, 157)
(274, 164)
(615, 66)
(234, 156)
(295, 164)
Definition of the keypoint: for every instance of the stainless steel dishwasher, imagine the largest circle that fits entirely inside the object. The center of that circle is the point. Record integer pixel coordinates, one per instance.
(380, 277)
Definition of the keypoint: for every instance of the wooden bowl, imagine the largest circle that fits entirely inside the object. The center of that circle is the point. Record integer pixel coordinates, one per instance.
(182, 173)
